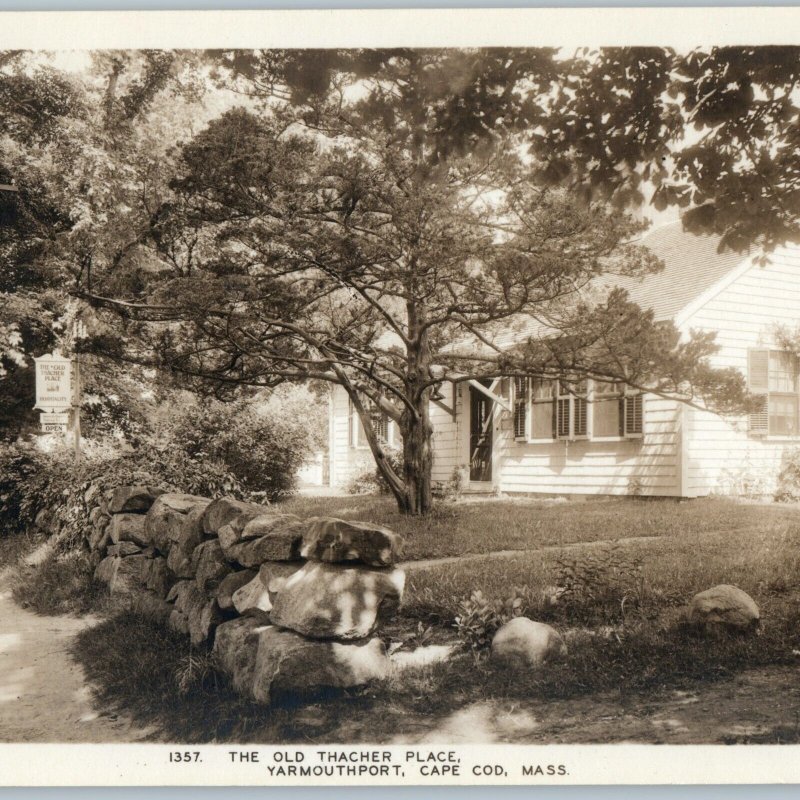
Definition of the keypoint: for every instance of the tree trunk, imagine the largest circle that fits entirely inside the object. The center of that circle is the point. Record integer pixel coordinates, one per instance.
(417, 459)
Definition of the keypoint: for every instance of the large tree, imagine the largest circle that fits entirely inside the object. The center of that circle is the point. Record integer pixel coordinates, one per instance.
(373, 223)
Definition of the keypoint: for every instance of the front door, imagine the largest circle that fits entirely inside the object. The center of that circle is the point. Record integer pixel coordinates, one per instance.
(480, 436)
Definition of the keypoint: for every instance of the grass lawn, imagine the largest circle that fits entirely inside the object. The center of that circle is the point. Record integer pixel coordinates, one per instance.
(482, 526)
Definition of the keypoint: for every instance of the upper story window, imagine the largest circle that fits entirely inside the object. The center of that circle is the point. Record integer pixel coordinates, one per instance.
(773, 376)
(546, 410)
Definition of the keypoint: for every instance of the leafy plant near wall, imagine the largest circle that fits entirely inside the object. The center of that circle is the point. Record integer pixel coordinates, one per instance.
(788, 488)
(600, 586)
(480, 617)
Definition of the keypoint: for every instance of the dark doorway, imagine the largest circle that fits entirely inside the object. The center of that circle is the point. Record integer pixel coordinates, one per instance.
(480, 436)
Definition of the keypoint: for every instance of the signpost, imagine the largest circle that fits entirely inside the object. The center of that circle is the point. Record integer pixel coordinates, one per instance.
(53, 383)
(58, 393)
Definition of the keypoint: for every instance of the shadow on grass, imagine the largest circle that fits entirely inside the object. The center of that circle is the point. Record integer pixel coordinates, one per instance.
(154, 676)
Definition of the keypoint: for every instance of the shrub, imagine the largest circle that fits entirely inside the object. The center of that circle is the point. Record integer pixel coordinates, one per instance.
(34, 480)
(371, 481)
(788, 488)
(480, 617)
(599, 586)
(261, 444)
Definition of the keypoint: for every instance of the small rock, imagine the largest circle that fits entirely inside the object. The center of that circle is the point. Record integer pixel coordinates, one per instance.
(337, 540)
(229, 584)
(129, 528)
(124, 549)
(193, 612)
(159, 578)
(123, 575)
(724, 607)
(136, 499)
(99, 539)
(209, 566)
(331, 602)
(522, 642)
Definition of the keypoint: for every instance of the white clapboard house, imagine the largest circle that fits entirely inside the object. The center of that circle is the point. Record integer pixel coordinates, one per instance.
(534, 441)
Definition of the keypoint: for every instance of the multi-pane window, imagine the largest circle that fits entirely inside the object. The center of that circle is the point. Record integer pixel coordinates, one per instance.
(381, 424)
(772, 376)
(543, 411)
(546, 410)
(572, 417)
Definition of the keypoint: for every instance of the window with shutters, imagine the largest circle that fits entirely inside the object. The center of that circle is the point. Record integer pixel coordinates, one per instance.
(381, 424)
(572, 417)
(772, 377)
(617, 411)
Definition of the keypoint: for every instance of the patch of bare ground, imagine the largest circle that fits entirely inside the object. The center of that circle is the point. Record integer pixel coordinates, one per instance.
(44, 695)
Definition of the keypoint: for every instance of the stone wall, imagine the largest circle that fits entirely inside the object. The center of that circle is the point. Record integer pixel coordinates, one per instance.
(290, 604)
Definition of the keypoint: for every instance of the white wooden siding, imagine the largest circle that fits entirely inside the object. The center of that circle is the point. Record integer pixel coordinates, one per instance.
(646, 466)
(346, 462)
(721, 456)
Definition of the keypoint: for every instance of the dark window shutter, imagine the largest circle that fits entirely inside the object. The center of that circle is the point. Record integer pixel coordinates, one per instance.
(520, 407)
(581, 417)
(634, 407)
(562, 418)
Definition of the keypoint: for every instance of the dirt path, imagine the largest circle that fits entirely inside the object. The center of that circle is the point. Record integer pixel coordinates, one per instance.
(43, 692)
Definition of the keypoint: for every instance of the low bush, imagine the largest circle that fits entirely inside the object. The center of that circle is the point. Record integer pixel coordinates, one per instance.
(371, 481)
(480, 617)
(788, 488)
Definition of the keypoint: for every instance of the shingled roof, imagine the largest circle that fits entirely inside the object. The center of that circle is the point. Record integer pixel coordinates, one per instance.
(693, 265)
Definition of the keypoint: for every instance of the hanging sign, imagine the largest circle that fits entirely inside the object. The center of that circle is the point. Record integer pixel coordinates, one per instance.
(54, 423)
(53, 383)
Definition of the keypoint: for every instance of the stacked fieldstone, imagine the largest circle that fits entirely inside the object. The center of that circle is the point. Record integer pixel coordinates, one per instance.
(290, 604)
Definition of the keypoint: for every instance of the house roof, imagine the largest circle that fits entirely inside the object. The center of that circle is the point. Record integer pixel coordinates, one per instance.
(692, 266)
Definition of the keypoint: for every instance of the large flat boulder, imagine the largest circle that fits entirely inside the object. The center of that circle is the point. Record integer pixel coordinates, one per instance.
(290, 664)
(137, 499)
(282, 541)
(263, 661)
(227, 511)
(724, 608)
(324, 601)
(523, 642)
(129, 528)
(280, 538)
(170, 520)
(258, 594)
(337, 541)
(209, 566)
(229, 584)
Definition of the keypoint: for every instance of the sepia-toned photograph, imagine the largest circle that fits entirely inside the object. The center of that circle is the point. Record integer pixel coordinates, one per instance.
(422, 396)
